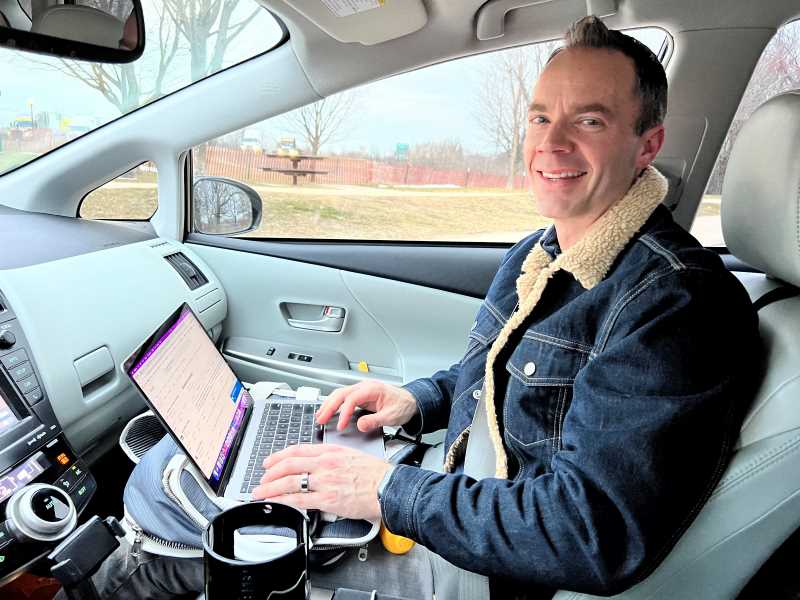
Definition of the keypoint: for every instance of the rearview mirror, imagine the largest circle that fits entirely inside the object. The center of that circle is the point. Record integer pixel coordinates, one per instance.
(109, 31)
(224, 206)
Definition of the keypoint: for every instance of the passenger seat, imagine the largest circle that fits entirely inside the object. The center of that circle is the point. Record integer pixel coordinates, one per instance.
(756, 505)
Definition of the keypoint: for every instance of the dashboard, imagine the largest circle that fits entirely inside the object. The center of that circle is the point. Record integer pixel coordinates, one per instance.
(76, 298)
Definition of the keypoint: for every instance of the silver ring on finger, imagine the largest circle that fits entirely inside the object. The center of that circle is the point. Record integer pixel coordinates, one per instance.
(305, 485)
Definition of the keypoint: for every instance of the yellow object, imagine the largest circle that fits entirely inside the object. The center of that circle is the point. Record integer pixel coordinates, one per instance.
(363, 366)
(395, 544)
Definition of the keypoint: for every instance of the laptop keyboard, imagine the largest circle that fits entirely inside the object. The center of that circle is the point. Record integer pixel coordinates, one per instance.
(281, 425)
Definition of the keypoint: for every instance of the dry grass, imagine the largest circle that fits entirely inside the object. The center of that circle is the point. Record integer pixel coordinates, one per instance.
(356, 212)
(117, 202)
(363, 212)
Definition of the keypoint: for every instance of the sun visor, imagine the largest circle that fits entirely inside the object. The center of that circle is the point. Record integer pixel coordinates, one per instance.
(367, 22)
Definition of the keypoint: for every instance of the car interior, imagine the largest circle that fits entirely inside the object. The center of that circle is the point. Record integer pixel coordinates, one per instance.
(79, 292)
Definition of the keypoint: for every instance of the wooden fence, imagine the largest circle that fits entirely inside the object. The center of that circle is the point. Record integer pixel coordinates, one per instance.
(245, 165)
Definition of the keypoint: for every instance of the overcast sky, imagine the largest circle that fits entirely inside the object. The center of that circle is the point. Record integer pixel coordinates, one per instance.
(434, 103)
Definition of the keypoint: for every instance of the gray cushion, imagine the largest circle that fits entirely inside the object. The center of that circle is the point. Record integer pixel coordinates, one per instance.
(761, 192)
(79, 23)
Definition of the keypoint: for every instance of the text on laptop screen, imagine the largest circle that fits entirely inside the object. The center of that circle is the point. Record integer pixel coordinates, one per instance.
(195, 392)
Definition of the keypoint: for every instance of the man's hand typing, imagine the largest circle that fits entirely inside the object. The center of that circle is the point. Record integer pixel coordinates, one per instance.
(338, 480)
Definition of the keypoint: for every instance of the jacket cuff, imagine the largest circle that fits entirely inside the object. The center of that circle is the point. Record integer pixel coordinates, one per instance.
(399, 497)
(428, 398)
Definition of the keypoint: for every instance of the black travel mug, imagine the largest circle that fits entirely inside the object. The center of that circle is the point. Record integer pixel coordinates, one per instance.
(284, 575)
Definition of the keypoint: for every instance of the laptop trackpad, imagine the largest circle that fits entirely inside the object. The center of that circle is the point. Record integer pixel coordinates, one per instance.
(351, 437)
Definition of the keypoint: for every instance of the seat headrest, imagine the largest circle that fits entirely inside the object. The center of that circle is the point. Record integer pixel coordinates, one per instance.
(79, 23)
(761, 190)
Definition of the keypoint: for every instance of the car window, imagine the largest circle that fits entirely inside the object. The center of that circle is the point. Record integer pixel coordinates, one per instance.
(133, 196)
(54, 100)
(430, 155)
(777, 71)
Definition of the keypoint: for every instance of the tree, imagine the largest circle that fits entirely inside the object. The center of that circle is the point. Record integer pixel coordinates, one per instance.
(220, 207)
(447, 154)
(777, 71)
(323, 121)
(123, 85)
(200, 22)
(182, 24)
(503, 99)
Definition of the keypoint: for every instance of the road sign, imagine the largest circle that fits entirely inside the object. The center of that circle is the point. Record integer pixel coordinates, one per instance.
(401, 152)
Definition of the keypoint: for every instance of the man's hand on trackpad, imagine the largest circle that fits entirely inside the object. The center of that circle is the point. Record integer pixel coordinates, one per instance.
(392, 406)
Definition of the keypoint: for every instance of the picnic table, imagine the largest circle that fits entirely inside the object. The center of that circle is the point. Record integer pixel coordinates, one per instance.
(295, 171)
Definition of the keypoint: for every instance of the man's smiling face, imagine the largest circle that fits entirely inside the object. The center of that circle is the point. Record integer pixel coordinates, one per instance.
(582, 150)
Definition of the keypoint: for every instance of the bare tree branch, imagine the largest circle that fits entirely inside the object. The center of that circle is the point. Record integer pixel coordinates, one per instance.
(323, 121)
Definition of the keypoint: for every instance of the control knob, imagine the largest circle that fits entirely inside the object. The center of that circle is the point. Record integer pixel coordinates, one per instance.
(7, 339)
(41, 512)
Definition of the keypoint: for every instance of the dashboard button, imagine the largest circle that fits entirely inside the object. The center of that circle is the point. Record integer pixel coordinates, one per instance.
(15, 358)
(34, 396)
(7, 339)
(77, 470)
(69, 480)
(65, 483)
(5, 535)
(21, 371)
(28, 385)
(83, 491)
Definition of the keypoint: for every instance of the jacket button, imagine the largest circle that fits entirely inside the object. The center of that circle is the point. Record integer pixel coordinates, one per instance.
(529, 369)
(476, 394)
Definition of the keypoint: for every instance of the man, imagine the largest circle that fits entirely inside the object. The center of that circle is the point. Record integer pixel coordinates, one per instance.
(602, 370)
(602, 378)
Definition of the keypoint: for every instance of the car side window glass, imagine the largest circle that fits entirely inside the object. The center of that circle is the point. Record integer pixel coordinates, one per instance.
(430, 155)
(133, 196)
(777, 71)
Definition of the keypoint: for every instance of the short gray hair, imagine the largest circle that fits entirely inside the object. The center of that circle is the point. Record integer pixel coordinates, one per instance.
(651, 80)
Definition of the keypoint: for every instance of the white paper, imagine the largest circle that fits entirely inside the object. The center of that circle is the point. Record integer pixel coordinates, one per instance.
(345, 8)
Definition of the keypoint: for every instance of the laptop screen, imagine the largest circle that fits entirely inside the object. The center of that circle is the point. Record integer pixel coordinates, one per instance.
(192, 388)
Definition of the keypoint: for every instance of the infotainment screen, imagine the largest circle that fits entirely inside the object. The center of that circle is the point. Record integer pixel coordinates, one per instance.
(7, 418)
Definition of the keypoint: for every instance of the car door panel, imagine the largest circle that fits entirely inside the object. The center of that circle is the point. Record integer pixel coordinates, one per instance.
(463, 269)
(399, 330)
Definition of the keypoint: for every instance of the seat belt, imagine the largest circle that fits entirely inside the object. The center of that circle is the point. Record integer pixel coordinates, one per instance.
(480, 458)
(776, 295)
(450, 581)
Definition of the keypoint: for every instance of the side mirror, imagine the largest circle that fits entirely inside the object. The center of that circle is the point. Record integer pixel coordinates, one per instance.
(111, 32)
(223, 206)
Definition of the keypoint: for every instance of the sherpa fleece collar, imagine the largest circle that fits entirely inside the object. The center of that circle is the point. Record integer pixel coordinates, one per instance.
(588, 260)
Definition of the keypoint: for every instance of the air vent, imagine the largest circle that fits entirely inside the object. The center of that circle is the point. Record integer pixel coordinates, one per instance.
(193, 276)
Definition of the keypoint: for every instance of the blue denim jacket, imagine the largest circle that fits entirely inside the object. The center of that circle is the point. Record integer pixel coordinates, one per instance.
(621, 407)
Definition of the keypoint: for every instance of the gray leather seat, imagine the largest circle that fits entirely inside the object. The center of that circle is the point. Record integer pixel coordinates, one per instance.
(79, 23)
(756, 505)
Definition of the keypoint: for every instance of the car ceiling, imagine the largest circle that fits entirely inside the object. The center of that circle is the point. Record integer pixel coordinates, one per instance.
(451, 31)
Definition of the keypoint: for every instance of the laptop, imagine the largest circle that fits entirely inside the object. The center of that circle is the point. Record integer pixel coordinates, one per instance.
(185, 380)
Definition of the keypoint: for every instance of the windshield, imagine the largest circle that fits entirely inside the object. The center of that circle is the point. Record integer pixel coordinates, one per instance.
(47, 101)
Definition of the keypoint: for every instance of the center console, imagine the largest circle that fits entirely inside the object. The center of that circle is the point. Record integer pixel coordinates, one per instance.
(43, 486)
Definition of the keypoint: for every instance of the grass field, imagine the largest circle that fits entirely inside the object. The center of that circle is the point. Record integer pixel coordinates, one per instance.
(120, 201)
(9, 160)
(363, 212)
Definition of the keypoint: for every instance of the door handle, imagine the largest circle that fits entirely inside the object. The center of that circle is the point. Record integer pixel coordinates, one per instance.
(332, 321)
